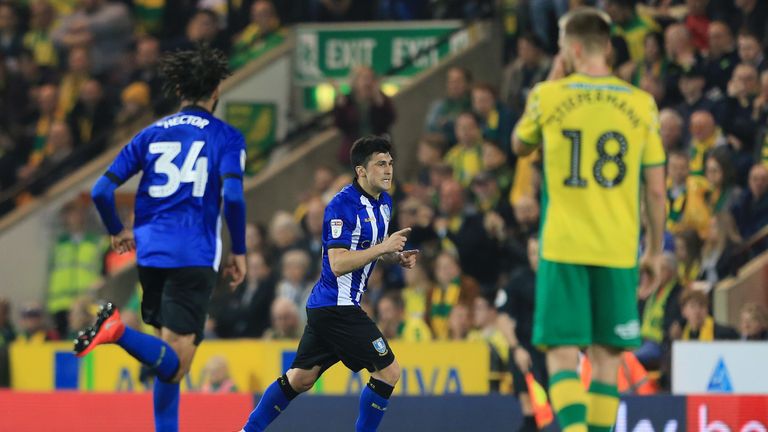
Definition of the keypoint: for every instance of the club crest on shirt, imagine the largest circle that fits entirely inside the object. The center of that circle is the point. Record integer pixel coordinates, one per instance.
(336, 225)
(380, 346)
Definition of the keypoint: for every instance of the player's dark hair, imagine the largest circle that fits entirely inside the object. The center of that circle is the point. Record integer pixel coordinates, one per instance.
(364, 148)
(588, 25)
(193, 75)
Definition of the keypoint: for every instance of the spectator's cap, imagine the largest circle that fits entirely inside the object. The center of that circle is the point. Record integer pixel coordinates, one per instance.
(136, 93)
(482, 178)
(32, 311)
(695, 71)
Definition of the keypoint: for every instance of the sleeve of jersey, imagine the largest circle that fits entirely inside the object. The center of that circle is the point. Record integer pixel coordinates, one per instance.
(233, 160)
(528, 129)
(127, 163)
(231, 172)
(653, 152)
(103, 195)
(337, 227)
(124, 167)
(234, 213)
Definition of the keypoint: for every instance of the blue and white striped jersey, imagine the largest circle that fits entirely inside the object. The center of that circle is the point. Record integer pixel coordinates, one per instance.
(353, 220)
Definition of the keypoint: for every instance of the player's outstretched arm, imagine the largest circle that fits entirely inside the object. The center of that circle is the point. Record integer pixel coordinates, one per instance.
(344, 261)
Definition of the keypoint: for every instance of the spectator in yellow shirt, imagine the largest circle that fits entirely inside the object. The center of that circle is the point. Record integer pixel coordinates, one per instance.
(466, 157)
(705, 135)
(262, 34)
(38, 38)
(486, 330)
(685, 201)
(395, 324)
(628, 24)
(417, 286)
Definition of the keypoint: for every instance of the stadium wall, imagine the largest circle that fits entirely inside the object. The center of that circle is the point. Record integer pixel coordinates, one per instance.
(751, 285)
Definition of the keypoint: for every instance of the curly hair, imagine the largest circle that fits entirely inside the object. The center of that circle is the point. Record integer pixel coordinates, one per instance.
(193, 75)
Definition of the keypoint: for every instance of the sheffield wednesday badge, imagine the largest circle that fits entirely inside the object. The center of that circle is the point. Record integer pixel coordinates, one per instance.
(380, 346)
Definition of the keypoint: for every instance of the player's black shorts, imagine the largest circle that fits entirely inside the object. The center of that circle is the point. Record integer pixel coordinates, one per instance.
(177, 298)
(342, 333)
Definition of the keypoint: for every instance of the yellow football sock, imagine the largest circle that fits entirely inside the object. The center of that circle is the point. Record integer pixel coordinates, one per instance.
(569, 400)
(603, 402)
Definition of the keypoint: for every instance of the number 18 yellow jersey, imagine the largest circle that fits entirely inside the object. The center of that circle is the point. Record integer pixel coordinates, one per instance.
(597, 134)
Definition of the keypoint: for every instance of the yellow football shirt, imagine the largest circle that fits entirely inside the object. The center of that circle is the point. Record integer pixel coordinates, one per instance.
(597, 134)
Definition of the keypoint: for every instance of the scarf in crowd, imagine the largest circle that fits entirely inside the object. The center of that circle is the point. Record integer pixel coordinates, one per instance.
(706, 333)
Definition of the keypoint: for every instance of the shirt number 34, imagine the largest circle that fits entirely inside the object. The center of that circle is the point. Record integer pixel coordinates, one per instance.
(194, 169)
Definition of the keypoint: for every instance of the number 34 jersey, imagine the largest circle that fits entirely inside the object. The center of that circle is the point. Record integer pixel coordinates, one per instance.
(597, 134)
(185, 158)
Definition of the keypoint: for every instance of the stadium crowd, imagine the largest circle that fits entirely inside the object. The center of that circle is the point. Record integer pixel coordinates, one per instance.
(79, 76)
(473, 206)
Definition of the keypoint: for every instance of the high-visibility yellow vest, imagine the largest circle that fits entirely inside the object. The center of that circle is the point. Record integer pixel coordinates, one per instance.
(76, 267)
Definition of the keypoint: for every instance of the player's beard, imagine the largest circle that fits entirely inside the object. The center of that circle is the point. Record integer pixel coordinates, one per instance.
(215, 104)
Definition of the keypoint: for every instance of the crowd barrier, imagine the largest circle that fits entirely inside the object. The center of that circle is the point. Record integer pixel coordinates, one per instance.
(435, 368)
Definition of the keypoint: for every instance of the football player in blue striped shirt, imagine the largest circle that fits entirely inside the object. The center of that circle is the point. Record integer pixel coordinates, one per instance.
(354, 239)
(191, 162)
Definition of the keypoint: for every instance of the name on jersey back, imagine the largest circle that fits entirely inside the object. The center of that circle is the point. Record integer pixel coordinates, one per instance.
(183, 120)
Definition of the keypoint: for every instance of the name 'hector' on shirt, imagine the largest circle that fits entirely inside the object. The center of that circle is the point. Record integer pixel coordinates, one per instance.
(183, 120)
